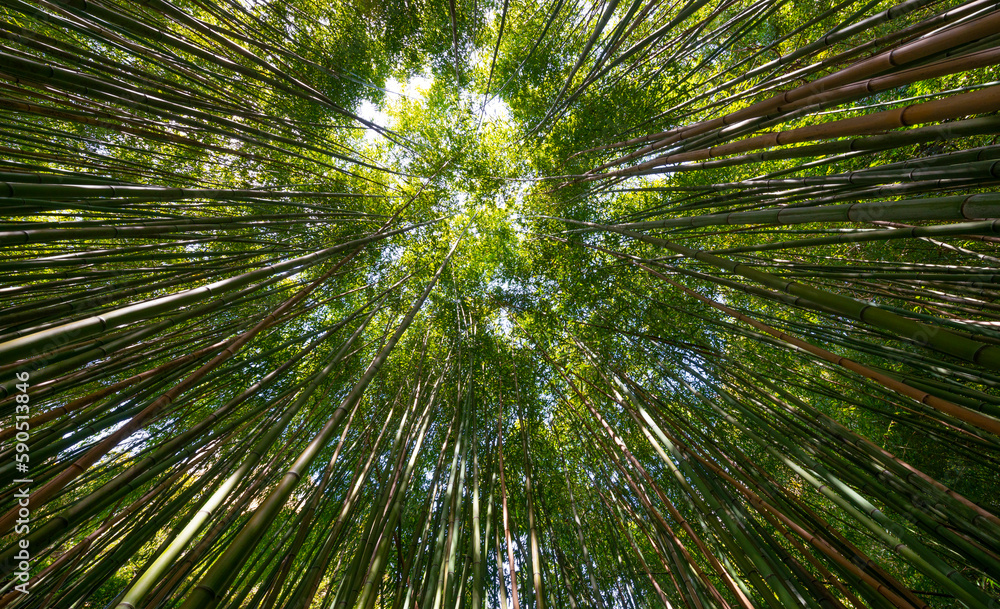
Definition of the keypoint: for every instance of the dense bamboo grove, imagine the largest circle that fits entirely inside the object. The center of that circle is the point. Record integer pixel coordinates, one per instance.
(421, 305)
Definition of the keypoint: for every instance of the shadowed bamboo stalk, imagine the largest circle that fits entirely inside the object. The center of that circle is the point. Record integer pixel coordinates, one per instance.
(43, 494)
(213, 584)
(943, 340)
(14, 349)
(884, 61)
(965, 104)
(987, 423)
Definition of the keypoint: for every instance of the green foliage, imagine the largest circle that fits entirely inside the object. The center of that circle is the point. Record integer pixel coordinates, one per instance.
(610, 264)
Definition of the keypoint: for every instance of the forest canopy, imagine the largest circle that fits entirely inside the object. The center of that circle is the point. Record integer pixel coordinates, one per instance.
(491, 303)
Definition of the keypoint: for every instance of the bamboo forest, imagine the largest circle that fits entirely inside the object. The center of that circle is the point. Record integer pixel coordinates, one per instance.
(500, 304)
